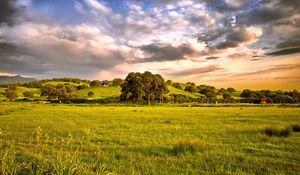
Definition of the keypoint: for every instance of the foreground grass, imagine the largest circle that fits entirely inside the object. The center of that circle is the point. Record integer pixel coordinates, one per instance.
(69, 139)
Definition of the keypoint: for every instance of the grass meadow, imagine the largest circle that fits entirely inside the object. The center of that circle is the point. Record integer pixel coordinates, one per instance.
(92, 139)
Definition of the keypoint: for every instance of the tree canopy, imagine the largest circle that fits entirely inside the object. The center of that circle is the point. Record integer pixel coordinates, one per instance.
(10, 93)
(59, 92)
(143, 87)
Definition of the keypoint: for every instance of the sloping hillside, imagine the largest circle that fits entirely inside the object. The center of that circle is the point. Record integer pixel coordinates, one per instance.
(174, 90)
(100, 92)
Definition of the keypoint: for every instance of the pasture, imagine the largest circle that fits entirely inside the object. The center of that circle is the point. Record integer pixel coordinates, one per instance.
(92, 139)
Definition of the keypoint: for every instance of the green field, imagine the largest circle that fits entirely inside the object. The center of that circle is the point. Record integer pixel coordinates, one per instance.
(86, 139)
(100, 92)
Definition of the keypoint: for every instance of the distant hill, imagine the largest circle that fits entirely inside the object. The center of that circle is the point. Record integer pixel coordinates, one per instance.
(14, 79)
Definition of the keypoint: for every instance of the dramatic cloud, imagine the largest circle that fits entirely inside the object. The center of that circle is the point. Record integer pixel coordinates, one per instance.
(154, 52)
(285, 51)
(239, 36)
(9, 10)
(53, 49)
(179, 39)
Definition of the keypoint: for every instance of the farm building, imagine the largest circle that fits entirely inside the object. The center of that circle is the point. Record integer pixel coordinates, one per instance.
(264, 100)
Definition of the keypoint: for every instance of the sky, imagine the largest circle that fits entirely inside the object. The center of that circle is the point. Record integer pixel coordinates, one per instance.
(243, 44)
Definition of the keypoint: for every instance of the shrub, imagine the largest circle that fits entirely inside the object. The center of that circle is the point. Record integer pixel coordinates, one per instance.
(28, 94)
(91, 94)
(10, 94)
(296, 127)
(277, 131)
(185, 148)
(83, 86)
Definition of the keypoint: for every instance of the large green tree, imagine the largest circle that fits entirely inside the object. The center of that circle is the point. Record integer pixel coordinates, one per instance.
(209, 92)
(143, 87)
(59, 92)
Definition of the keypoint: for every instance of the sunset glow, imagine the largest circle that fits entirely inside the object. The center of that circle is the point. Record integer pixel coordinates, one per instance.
(226, 43)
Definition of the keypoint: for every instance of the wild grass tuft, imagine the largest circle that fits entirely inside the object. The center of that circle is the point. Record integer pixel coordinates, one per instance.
(188, 147)
(278, 131)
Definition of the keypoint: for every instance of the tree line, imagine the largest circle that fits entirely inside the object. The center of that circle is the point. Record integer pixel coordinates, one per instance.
(148, 88)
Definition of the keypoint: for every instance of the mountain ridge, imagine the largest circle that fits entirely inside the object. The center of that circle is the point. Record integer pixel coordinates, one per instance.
(13, 79)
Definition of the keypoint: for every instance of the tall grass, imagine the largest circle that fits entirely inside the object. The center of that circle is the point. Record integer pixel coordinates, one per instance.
(296, 127)
(278, 131)
(95, 139)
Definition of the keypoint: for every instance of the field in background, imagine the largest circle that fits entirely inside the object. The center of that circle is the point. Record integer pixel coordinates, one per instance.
(87, 139)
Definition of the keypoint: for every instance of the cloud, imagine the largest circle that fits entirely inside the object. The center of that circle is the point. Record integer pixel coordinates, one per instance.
(8, 48)
(212, 58)
(286, 51)
(269, 11)
(239, 36)
(98, 6)
(153, 53)
(288, 43)
(86, 38)
(9, 10)
(272, 69)
(52, 51)
(195, 71)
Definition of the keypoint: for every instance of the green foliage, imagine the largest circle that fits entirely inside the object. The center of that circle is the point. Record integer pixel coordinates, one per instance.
(190, 88)
(28, 94)
(272, 96)
(143, 87)
(203, 93)
(221, 91)
(91, 94)
(50, 91)
(190, 84)
(95, 83)
(278, 131)
(117, 82)
(10, 93)
(66, 92)
(169, 82)
(231, 90)
(59, 92)
(227, 97)
(178, 86)
(209, 92)
(83, 86)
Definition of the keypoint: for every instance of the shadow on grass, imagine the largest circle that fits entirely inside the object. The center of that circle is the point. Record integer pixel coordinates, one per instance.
(186, 148)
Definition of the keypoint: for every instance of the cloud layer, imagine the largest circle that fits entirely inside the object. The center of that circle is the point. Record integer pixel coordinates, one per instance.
(180, 39)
